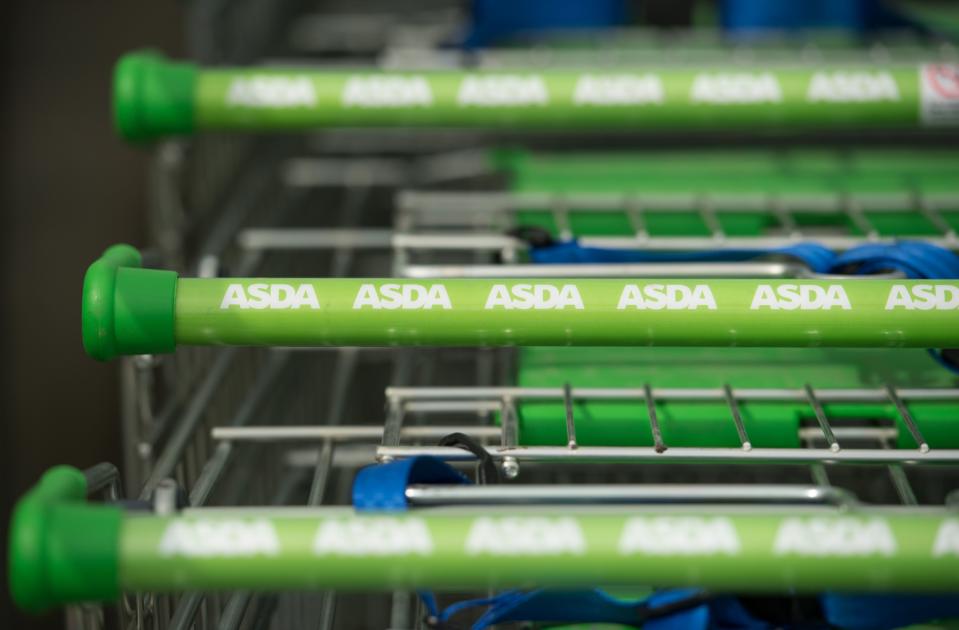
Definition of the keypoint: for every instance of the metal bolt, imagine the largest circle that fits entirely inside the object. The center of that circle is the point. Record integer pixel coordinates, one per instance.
(164, 498)
(510, 467)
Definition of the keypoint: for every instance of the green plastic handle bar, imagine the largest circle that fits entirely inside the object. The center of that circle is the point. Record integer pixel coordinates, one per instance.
(127, 310)
(155, 98)
(63, 551)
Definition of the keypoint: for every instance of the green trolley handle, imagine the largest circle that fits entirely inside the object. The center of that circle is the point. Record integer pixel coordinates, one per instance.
(129, 310)
(64, 551)
(154, 98)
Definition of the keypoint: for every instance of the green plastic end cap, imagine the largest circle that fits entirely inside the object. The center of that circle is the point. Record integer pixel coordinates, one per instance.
(126, 309)
(153, 97)
(28, 536)
(61, 549)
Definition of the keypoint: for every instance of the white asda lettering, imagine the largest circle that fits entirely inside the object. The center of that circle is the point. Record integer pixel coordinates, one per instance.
(387, 91)
(525, 536)
(852, 87)
(923, 297)
(679, 535)
(947, 539)
(502, 90)
(373, 536)
(268, 91)
(618, 89)
(534, 296)
(272, 296)
(666, 296)
(732, 88)
(228, 538)
(805, 297)
(830, 536)
(402, 296)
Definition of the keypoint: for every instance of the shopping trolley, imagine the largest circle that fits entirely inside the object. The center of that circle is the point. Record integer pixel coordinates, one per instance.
(199, 311)
(235, 434)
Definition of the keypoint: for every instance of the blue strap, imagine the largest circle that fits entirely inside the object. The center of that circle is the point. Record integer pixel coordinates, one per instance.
(815, 256)
(877, 612)
(597, 606)
(916, 259)
(382, 487)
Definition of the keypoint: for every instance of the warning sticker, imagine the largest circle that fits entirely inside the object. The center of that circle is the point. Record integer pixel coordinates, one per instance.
(939, 94)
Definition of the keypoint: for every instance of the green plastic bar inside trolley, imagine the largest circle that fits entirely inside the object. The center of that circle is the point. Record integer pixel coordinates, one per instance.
(63, 550)
(130, 310)
(154, 98)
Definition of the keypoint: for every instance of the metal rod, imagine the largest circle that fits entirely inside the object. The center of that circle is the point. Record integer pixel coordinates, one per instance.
(821, 418)
(658, 445)
(907, 419)
(858, 219)
(611, 270)
(570, 421)
(737, 417)
(215, 466)
(605, 494)
(103, 476)
(186, 427)
(829, 395)
(509, 438)
(337, 433)
(685, 454)
(393, 424)
(321, 474)
(472, 202)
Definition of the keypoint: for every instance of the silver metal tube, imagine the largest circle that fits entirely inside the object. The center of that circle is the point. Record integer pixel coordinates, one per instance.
(821, 418)
(907, 418)
(737, 417)
(482, 394)
(644, 454)
(103, 476)
(341, 432)
(592, 494)
(611, 270)
(570, 421)
(658, 445)
(186, 427)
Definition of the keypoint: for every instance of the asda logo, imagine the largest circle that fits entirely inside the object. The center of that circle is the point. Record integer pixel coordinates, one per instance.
(923, 297)
(825, 536)
(618, 89)
(678, 535)
(524, 297)
(852, 87)
(387, 91)
(271, 91)
(226, 539)
(402, 296)
(270, 296)
(525, 536)
(373, 536)
(502, 90)
(805, 297)
(732, 88)
(671, 297)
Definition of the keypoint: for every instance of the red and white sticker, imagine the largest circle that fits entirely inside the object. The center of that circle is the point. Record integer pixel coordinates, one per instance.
(939, 94)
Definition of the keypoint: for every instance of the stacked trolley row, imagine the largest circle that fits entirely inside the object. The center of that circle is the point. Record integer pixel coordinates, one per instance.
(618, 482)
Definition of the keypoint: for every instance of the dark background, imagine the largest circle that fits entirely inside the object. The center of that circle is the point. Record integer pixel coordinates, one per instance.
(69, 187)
